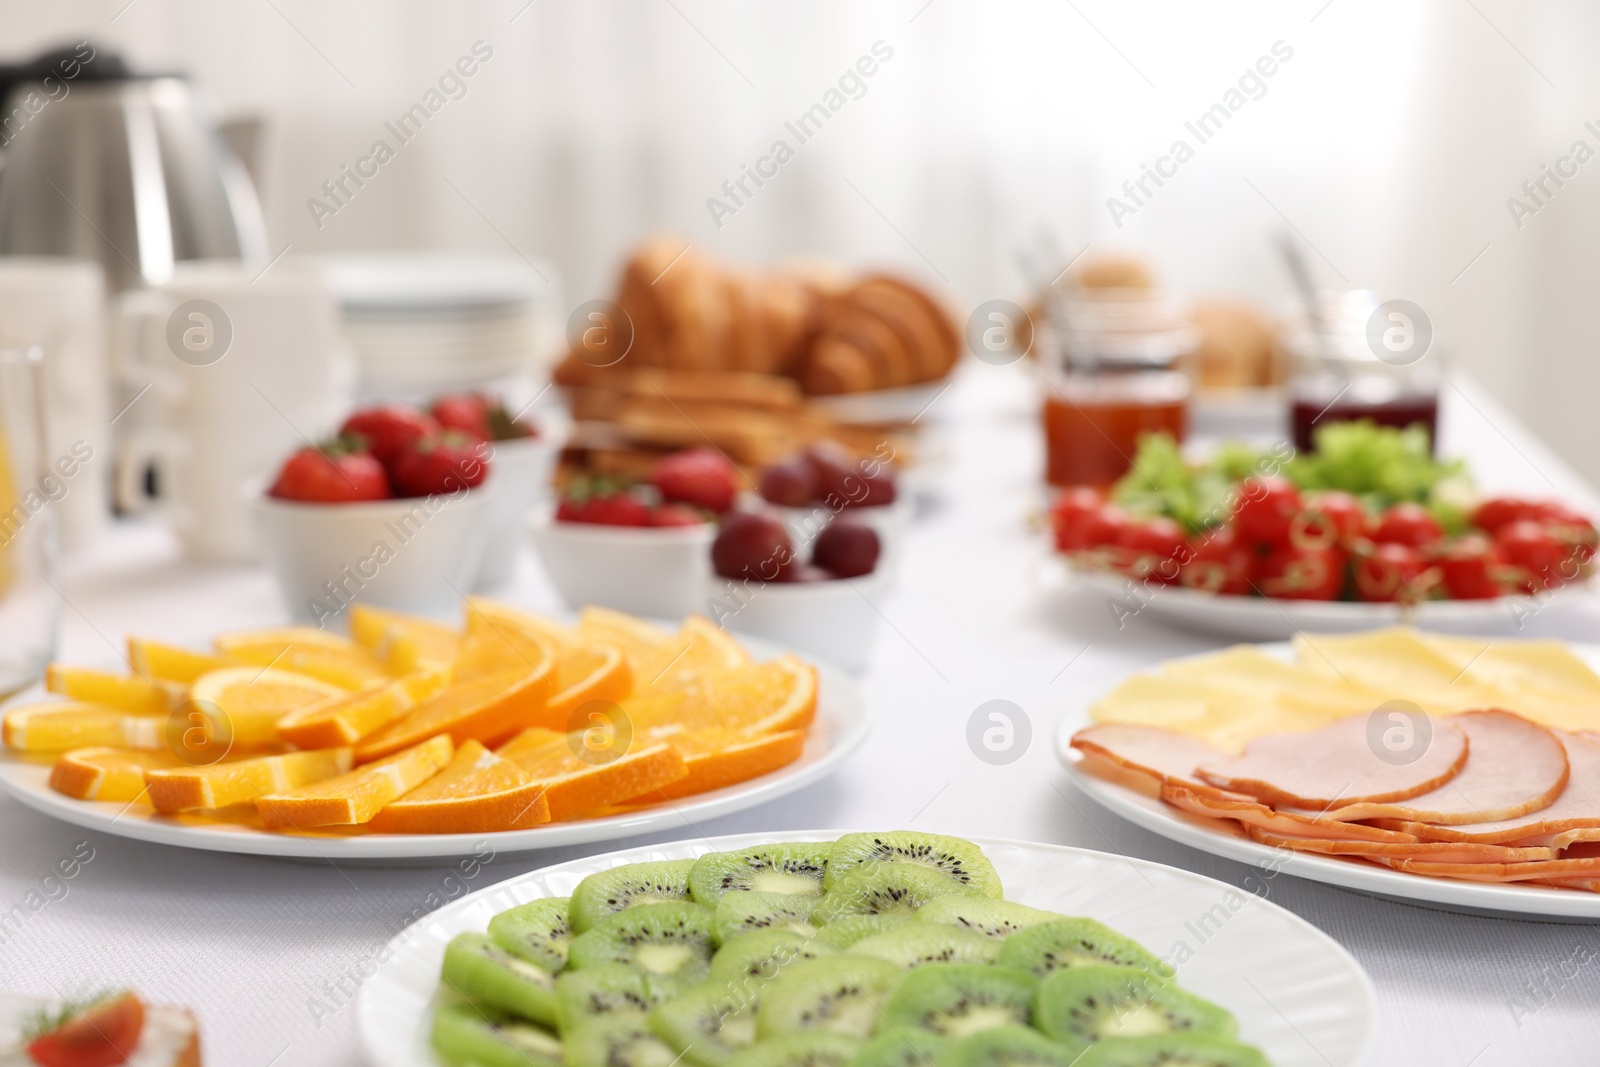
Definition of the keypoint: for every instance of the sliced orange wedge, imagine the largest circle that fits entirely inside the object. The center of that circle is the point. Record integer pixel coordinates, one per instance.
(483, 612)
(504, 645)
(487, 709)
(60, 726)
(244, 704)
(699, 650)
(225, 784)
(479, 792)
(588, 672)
(576, 786)
(641, 642)
(403, 643)
(168, 663)
(103, 773)
(718, 758)
(346, 719)
(305, 650)
(128, 692)
(355, 797)
(770, 697)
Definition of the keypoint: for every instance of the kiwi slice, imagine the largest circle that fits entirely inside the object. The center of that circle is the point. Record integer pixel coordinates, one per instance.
(784, 868)
(710, 1023)
(537, 931)
(960, 861)
(818, 1048)
(467, 1036)
(761, 956)
(957, 999)
(1012, 1046)
(486, 974)
(1090, 1003)
(610, 989)
(998, 919)
(632, 884)
(739, 914)
(1063, 943)
(912, 1048)
(844, 932)
(883, 888)
(916, 944)
(667, 941)
(1171, 1050)
(616, 1041)
(843, 994)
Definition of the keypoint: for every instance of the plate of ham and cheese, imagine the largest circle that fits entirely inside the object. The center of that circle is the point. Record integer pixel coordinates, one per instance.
(1462, 773)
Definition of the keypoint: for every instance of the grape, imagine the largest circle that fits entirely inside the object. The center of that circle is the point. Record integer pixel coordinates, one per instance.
(848, 549)
(879, 491)
(834, 468)
(792, 484)
(752, 546)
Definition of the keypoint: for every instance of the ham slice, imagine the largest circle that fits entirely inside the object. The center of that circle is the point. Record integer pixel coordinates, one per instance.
(1336, 765)
(1143, 757)
(1516, 767)
(1573, 816)
(1253, 814)
(1563, 871)
(1440, 852)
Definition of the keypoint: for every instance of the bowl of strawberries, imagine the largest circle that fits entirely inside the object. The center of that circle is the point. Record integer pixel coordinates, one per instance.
(393, 511)
(640, 546)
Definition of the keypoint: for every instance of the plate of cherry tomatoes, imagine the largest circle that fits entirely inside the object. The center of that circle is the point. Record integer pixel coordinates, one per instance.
(1281, 560)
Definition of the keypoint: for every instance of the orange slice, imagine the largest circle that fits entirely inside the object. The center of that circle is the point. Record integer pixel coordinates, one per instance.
(103, 773)
(483, 612)
(355, 797)
(770, 697)
(575, 786)
(168, 663)
(497, 646)
(403, 643)
(722, 758)
(488, 709)
(479, 792)
(60, 726)
(128, 692)
(588, 672)
(699, 650)
(344, 720)
(640, 641)
(305, 650)
(244, 704)
(225, 784)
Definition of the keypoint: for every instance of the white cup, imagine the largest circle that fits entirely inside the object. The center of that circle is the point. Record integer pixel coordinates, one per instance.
(235, 370)
(59, 304)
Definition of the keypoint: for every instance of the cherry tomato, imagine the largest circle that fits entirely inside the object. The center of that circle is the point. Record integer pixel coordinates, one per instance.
(1501, 511)
(1301, 573)
(1572, 528)
(1390, 572)
(1070, 516)
(1542, 560)
(1218, 563)
(103, 1036)
(1408, 524)
(1470, 569)
(1266, 508)
(1157, 545)
(1329, 510)
(1106, 526)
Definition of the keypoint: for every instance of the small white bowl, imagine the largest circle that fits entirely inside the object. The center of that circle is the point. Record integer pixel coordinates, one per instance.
(643, 570)
(418, 555)
(522, 470)
(833, 620)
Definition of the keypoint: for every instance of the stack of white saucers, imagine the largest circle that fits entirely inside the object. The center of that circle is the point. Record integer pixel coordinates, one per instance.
(420, 323)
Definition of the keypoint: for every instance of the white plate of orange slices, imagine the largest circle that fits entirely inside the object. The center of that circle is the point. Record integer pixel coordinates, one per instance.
(411, 740)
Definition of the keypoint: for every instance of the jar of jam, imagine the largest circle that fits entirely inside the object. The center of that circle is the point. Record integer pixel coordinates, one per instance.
(1110, 376)
(1366, 359)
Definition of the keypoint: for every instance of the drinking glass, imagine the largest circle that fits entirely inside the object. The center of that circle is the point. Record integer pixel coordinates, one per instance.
(30, 487)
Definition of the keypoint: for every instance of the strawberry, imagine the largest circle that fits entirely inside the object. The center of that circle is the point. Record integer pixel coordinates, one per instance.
(602, 504)
(390, 430)
(337, 472)
(700, 476)
(467, 413)
(446, 463)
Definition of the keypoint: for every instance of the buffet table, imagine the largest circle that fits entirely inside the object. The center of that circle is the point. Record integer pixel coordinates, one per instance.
(270, 953)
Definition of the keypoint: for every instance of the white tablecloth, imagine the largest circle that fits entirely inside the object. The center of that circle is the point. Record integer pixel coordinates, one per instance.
(269, 952)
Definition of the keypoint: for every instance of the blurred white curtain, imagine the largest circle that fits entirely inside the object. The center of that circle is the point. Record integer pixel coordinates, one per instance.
(1389, 141)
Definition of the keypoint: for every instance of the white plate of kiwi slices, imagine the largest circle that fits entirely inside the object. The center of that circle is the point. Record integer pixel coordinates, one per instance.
(864, 950)
(841, 724)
